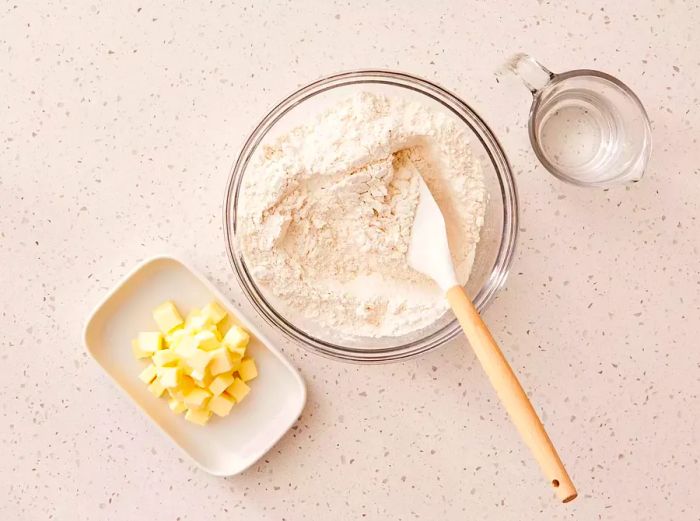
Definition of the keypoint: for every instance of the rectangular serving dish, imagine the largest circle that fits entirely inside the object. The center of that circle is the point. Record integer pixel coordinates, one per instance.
(225, 446)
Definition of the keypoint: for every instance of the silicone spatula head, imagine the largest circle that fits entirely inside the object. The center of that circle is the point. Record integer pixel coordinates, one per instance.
(429, 251)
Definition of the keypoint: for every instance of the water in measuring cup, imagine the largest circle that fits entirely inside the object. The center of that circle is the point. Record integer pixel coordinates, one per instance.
(581, 135)
(586, 127)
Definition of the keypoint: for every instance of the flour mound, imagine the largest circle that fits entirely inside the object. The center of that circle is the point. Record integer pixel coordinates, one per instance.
(326, 215)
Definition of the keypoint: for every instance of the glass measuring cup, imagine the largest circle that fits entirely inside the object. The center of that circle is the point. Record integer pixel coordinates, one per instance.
(586, 127)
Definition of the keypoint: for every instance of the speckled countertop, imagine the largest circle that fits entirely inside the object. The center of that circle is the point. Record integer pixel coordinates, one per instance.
(118, 124)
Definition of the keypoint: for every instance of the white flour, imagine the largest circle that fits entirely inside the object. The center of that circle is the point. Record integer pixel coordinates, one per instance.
(325, 220)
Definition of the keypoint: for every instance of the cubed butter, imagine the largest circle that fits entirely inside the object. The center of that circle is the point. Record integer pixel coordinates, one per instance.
(136, 349)
(196, 321)
(221, 362)
(221, 405)
(176, 405)
(220, 383)
(186, 385)
(155, 388)
(194, 312)
(238, 389)
(200, 417)
(197, 398)
(214, 312)
(236, 361)
(185, 347)
(167, 317)
(216, 332)
(148, 374)
(165, 357)
(247, 370)
(206, 340)
(174, 337)
(204, 380)
(197, 375)
(150, 341)
(236, 339)
(169, 377)
(194, 360)
(199, 360)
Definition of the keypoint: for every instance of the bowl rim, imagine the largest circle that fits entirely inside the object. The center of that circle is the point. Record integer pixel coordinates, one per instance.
(459, 108)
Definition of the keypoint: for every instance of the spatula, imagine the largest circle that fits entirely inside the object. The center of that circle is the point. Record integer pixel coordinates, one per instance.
(429, 253)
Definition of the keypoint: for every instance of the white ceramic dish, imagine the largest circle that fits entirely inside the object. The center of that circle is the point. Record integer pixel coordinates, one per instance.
(225, 446)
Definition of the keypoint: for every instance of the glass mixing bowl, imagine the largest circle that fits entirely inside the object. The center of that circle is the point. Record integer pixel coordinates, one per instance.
(494, 251)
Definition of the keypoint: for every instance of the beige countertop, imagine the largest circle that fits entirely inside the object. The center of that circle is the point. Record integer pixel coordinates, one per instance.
(119, 122)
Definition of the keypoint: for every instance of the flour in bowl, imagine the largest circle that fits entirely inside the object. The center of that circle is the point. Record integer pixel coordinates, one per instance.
(325, 215)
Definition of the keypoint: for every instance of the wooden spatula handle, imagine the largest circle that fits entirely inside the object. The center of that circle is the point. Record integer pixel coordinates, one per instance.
(511, 393)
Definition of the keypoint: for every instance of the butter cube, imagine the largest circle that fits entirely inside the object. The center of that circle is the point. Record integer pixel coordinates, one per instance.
(197, 398)
(150, 341)
(138, 352)
(185, 347)
(192, 315)
(167, 316)
(221, 405)
(200, 417)
(206, 340)
(186, 385)
(176, 405)
(221, 362)
(236, 340)
(215, 331)
(236, 361)
(196, 321)
(148, 374)
(203, 381)
(247, 370)
(199, 360)
(238, 389)
(169, 377)
(214, 312)
(174, 338)
(156, 389)
(197, 375)
(220, 383)
(165, 357)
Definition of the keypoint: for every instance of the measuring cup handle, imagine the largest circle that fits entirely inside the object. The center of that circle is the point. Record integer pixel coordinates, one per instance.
(532, 73)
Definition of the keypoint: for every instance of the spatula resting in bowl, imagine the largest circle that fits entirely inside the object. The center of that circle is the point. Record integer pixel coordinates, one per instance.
(429, 253)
